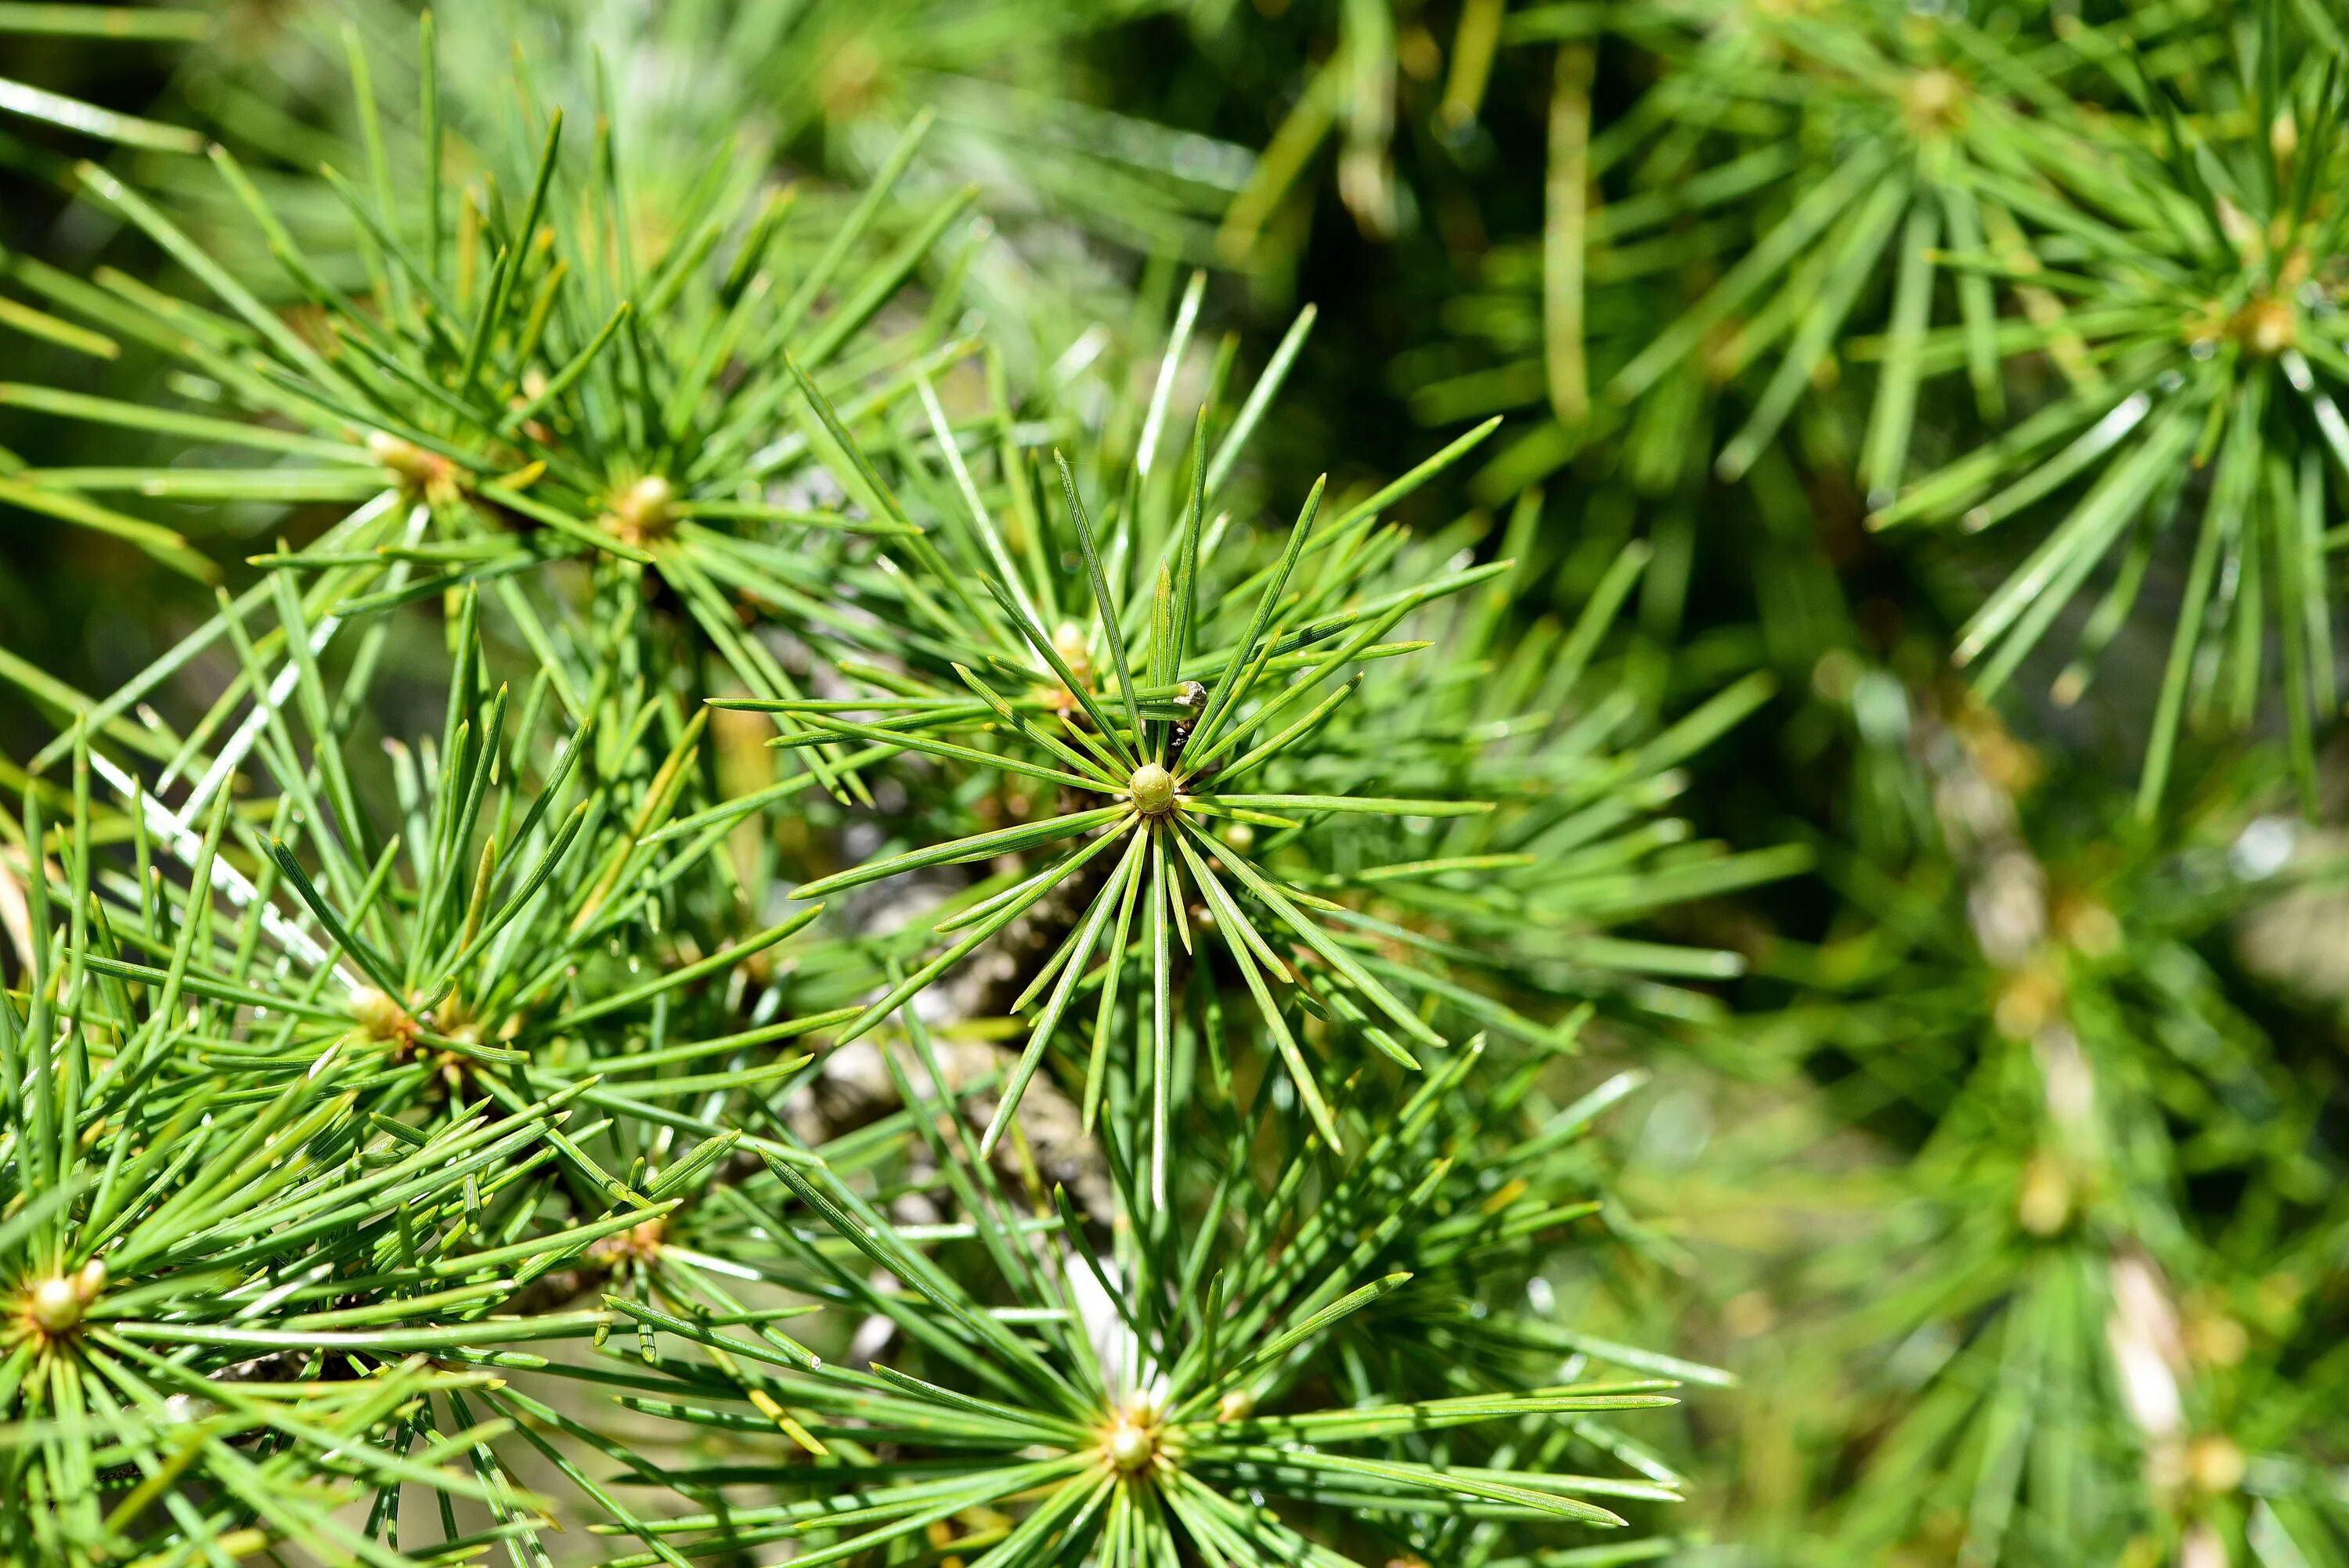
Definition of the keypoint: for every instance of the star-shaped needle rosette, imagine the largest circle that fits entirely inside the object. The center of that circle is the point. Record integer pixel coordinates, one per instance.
(587, 368)
(1151, 1390)
(1152, 758)
(2205, 263)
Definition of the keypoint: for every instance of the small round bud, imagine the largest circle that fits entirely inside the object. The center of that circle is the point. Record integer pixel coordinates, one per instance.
(2042, 1200)
(420, 471)
(1130, 1447)
(649, 494)
(1153, 788)
(90, 1283)
(2215, 1339)
(1069, 641)
(54, 1305)
(378, 1013)
(1935, 99)
(644, 508)
(1236, 1406)
(2284, 135)
(2215, 1463)
(2268, 325)
(405, 459)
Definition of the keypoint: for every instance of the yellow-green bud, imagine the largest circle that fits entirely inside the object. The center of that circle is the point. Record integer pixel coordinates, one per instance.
(55, 1306)
(1153, 788)
(1130, 1447)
